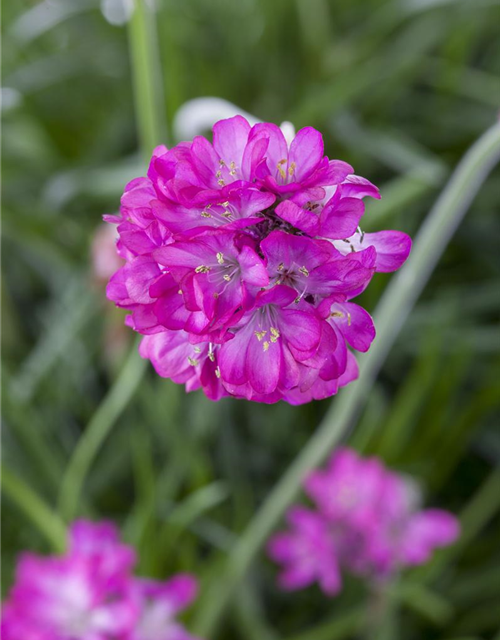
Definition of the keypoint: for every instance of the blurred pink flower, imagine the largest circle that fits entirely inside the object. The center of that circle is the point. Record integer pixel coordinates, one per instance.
(366, 521)
(90, 594)
(105, 260)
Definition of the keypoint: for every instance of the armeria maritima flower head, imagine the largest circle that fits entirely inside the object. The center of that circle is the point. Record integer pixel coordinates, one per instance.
(243, 257)
(366, 520)
(89, 593)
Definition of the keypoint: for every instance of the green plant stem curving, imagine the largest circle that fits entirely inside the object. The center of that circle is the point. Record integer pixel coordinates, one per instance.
(96, 432)
(392, 311)
(42, 516)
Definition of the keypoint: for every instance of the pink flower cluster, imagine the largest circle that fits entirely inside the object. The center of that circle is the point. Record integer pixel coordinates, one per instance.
(242, 258)
(366, 521)
(90, 594)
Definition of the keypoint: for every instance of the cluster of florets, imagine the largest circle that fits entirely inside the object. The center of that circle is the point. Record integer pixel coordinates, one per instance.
(90, 594)
(242, 258)
(366, 520)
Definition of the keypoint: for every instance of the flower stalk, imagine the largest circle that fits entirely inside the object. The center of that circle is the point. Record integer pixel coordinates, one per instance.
(146, 77)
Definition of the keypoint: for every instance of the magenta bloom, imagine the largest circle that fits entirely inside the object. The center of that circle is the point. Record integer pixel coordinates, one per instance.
(242, 257)
(366, 520)
(90, 594)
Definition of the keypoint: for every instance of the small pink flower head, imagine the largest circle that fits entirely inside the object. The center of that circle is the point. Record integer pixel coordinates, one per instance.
(65, 599)
(248, 251)
(366, 521)
(90, 594)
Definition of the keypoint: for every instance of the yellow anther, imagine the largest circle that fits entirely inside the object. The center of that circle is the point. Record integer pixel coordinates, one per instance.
(265, 346)
(291, 168)
(218, 174)
(221, 182)
(227, 278)
(217, 372)
(205, 214)
(202, 269)
(348, 319)
(197, 349)
(304, 271)
(336, 314)
(281, 266)
(275, 334)
(222, 163)
(297, 300)
(211, 356)
(193, 362)
(180, 292)
(224, 204)
(220, 258)
(232, 168)
(280, 168)
(260, 334)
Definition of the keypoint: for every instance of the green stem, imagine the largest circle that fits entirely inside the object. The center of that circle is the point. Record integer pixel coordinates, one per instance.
(96, 432)
(381, 613)
(393, 309)
(146, 77)
(45, 520)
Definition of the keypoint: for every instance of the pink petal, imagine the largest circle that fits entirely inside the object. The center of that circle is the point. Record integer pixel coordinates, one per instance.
(393, 248)
(230, 139)
(303, 219)
(205, 161)
(232, 357)
(306, 151)
(277, 149)
(263, 365)
(355, 323)
(358, 187)
(253, 270)
(341, 219)
(301, 329)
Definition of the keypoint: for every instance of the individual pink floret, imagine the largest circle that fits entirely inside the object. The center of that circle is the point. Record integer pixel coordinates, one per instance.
(90, 593)
(366, 520)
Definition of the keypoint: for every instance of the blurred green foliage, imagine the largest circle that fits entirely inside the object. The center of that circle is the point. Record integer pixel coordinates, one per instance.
(400, 89)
